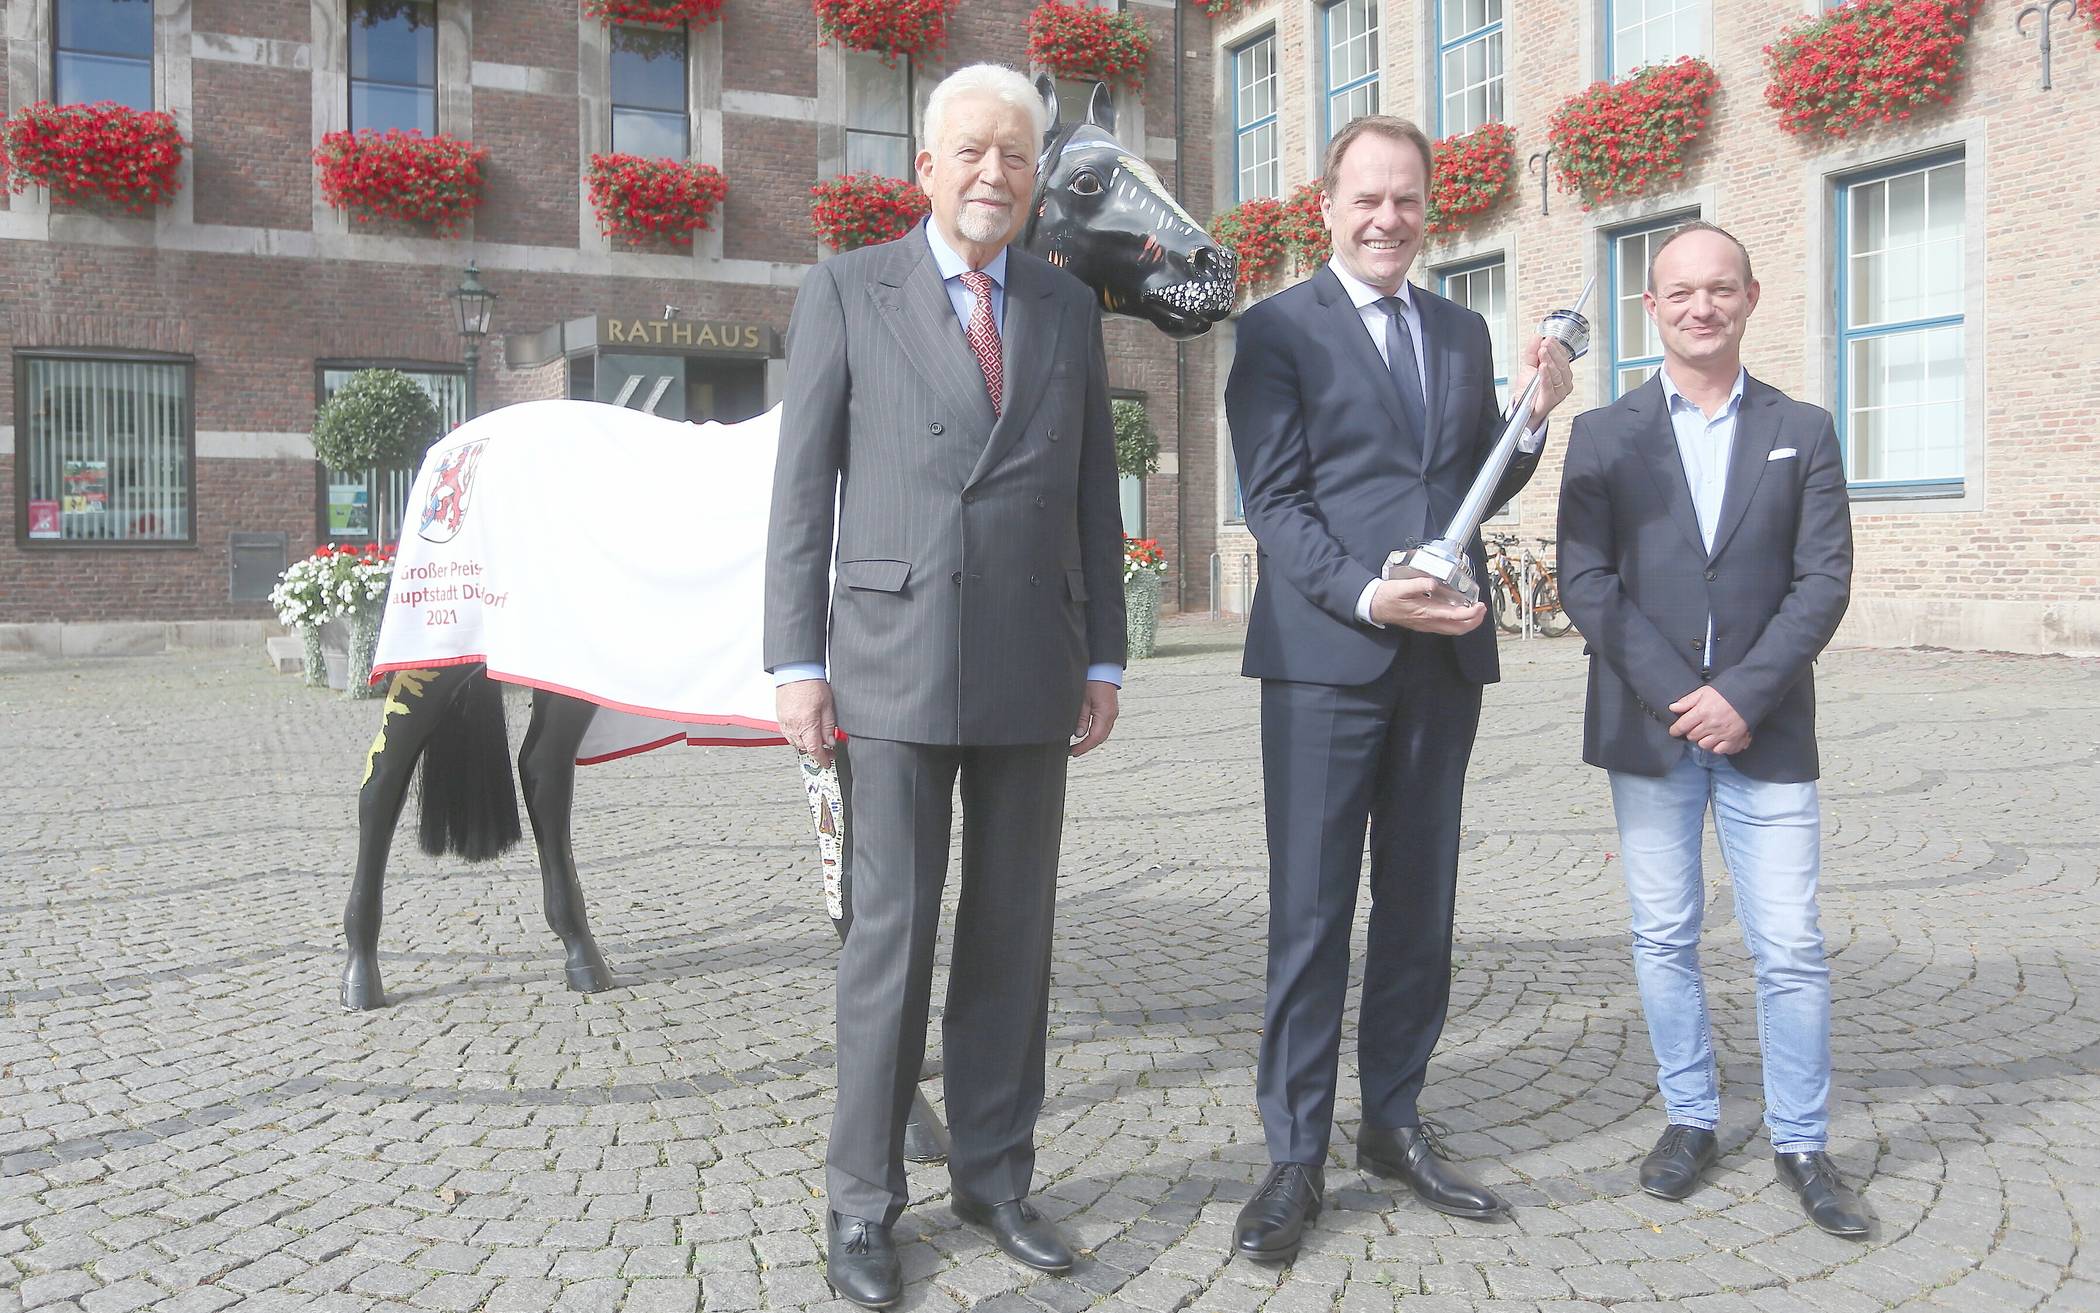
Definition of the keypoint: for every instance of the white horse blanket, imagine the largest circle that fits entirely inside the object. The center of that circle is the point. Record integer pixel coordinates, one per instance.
(600, 552)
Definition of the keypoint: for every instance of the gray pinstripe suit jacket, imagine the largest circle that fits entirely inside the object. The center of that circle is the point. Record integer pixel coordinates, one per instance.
(979, 559)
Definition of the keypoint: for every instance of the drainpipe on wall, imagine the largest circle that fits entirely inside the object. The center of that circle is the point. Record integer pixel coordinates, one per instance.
(1181, 350)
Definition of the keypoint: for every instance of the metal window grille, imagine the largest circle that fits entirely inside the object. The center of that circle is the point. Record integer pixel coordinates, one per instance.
(108, 451)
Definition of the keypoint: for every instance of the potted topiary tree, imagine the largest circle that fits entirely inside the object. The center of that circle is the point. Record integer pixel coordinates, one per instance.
(1144, 565)
(383, 418)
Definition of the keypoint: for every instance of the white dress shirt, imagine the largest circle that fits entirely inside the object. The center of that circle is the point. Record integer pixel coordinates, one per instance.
(952, 267)
(1366, 298)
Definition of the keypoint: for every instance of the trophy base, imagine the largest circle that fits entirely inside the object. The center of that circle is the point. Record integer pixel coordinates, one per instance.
(1443, 564)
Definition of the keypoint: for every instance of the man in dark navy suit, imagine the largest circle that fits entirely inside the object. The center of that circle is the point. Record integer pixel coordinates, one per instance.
(1362, 409)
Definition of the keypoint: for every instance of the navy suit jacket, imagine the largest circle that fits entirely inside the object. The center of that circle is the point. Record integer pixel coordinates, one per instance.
(1334, 477)
(1638, 581)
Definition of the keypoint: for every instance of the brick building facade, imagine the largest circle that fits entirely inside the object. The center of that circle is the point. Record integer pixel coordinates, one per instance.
(1969, 424)
(245, 296)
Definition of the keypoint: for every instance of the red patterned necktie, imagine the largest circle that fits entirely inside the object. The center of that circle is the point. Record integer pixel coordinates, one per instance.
(983, 333)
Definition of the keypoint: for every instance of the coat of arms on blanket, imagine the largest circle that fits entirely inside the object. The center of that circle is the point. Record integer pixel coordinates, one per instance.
(446, 507)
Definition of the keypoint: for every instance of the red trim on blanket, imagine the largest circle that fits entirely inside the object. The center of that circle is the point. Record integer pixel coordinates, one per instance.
(776, 740)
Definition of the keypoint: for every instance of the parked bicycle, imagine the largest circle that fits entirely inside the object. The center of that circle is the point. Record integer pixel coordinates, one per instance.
(1529, 581)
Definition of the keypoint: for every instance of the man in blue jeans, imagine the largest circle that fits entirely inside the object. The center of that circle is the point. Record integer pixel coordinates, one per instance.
(1706, 554)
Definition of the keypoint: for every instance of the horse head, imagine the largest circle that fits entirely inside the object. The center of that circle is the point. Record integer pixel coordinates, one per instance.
(1101, 213)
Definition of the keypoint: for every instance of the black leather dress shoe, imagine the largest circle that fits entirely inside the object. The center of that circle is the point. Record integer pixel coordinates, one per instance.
(1671, 1169)
(1272, 1224)
(1020, 1230)
(1824, 1196)
(861, 1262)
(1415, 1154)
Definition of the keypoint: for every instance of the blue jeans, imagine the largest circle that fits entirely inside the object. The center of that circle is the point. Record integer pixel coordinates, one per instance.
(1771, 839)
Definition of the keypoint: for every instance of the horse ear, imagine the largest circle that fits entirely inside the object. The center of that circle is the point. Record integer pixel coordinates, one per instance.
(1101, 108)
(1047, 89)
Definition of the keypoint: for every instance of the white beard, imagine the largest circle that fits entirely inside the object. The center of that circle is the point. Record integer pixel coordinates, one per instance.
(982, 226)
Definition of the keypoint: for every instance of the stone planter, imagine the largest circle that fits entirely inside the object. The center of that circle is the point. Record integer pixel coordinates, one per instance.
(310, 653)
(364, 641)
(1141, 612)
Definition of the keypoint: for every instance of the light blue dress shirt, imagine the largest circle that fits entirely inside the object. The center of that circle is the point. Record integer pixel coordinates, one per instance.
(1704, 447)
(952, 267)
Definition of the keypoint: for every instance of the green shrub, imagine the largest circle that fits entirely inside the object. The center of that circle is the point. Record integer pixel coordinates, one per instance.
(381, 417)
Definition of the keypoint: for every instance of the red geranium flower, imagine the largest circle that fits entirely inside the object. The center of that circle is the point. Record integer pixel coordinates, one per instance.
(636, 196)
(864, 209)
(129, 156)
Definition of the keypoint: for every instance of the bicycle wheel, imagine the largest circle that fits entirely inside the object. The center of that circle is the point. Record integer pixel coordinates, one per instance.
(1546, 610)
(1502, 604)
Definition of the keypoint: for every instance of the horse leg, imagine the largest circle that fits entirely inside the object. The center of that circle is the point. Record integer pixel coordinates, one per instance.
(925, 1138)
(416, 702)
(547, 771)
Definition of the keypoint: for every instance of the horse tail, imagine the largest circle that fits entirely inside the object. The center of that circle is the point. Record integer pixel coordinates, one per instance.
(470, 800)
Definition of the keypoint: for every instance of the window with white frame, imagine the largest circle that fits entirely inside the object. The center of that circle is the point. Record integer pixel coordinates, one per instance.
(1901, 324)
(1642, 32)
(1350, 41)
(649, 91)
(1254, 137)
(878, 115)
(1636, 349)
(1469, 74)
(1482, 286)
(368, 505)
(393, 65)
(105, 449)
(103, 50)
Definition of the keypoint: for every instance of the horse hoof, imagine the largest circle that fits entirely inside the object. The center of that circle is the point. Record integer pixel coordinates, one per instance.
(361, 988)
(587, 971)
(925, 1139)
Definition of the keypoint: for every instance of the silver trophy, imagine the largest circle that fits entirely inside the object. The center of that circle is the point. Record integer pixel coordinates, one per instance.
(1444, 560)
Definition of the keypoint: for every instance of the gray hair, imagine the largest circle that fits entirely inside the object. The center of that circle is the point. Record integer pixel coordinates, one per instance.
(995, 80)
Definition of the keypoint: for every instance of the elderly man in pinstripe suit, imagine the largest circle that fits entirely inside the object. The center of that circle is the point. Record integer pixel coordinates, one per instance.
(947, 417)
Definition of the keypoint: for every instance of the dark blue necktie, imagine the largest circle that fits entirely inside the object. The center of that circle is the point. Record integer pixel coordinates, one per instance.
(1407, 371)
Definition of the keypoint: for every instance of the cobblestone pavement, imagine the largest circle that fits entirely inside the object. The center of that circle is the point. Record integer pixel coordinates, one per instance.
(188, 1122)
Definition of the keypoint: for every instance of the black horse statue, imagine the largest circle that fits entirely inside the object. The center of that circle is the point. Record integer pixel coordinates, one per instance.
(1099, 212)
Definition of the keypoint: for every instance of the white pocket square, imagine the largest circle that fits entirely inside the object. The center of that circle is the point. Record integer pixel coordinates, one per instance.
(1780, 453)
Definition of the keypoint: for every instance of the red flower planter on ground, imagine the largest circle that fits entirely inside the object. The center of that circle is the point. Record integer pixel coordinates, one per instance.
(653, 13)
(402, 175)
(128, 156)
(890, 28)
(1079, 41)
(864, 209)
(640, 196)
(1472, 176)
(1868, 62)
(1618, 139)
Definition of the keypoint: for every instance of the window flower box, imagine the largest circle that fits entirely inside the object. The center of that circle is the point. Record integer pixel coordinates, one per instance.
(1868, 62)
(893, 29)
(653, 13)
(1615, 140)
(402, 175)
(1080, 41)
(864, 209)
(129, 157)
(637, 197)
(1472, 176)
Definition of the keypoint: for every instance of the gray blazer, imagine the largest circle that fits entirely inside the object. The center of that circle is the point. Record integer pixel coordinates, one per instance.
(979, 561)
(1638, 581)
